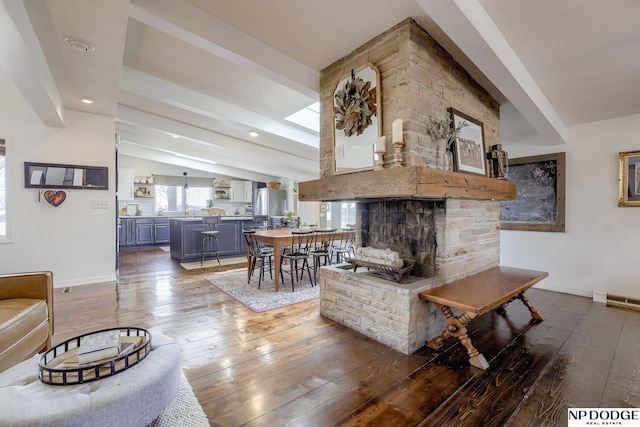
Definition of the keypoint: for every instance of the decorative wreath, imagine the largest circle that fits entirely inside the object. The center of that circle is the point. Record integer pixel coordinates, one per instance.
(355, 106)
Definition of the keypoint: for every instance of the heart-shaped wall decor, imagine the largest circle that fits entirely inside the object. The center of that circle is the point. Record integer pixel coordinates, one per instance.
(55, 198)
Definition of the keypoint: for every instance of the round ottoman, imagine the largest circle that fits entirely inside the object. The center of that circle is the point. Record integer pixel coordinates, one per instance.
(134, 397)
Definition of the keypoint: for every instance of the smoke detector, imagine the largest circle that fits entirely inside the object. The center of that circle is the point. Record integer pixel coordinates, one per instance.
(79, 45)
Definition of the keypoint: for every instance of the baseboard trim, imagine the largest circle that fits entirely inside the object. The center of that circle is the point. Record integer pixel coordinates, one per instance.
(83, 281)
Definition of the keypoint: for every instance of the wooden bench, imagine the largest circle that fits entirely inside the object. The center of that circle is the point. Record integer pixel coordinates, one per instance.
(476, 295)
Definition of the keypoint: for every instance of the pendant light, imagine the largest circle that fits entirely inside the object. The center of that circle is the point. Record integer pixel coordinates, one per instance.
(186, 183)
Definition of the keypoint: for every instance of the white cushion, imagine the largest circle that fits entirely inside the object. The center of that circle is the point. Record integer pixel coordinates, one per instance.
(134, 397)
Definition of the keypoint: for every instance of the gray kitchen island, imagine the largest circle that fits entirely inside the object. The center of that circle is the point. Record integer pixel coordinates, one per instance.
(186, 238)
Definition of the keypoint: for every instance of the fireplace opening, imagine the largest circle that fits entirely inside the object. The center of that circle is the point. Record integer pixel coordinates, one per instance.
(404, 226)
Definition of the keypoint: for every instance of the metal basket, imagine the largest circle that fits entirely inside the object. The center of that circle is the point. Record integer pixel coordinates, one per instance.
(395, 273)
(51, 371)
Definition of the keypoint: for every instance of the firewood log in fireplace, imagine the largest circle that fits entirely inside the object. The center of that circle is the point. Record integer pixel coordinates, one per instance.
(379, 256)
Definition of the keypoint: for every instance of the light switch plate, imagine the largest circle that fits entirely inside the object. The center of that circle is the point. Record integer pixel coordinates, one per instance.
(99, 204)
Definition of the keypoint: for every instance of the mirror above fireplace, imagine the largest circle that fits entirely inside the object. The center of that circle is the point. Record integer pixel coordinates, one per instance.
(356, 119)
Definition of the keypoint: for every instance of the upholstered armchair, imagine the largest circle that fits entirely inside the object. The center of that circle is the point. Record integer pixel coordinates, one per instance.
(26, 316)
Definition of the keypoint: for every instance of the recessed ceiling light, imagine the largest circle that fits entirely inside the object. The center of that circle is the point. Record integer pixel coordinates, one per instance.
(79, 45)
(87, 100)
(254, 133)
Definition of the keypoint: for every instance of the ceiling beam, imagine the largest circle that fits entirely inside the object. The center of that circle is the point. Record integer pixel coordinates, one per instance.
(469, 26)
(255, 157)
(220, 39)
(132, 149)
(178, 96)
(225, 129)
(22, 58)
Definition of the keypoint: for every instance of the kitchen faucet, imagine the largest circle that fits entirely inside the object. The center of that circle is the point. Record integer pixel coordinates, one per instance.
(186, 209)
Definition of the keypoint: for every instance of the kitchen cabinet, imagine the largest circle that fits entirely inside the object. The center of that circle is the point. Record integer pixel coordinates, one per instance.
(125, 184)
(143, 231)
(186, 238)
(127, 236)
(161, 230)
(241, 191)
(192, 240)
(228, 242)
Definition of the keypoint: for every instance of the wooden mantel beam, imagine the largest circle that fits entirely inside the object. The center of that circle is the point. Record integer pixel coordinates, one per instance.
(406, 182)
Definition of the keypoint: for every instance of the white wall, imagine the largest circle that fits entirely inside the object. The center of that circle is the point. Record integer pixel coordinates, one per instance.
(74, 241)
(598, 249)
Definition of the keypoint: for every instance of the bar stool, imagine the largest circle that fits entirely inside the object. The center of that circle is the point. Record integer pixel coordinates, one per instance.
(207, 237)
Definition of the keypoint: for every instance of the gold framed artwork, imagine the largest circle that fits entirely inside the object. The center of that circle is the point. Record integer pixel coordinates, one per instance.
(629, 180)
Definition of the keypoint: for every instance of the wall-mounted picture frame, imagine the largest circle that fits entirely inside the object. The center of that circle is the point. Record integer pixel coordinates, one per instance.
(629, 180)
(540, 200)
(469, 150)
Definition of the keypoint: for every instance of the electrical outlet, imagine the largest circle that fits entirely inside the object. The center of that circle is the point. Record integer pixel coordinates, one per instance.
(99, 204)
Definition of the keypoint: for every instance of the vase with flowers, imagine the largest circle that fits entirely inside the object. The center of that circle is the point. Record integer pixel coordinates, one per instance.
(446, 131)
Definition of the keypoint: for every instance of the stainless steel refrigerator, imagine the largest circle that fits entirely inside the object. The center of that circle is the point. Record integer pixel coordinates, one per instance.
(269, 202)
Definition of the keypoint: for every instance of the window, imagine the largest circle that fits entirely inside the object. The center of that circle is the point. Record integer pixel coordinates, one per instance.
(347, 213)
(197, 197)
(3, 192)
(175, 198)
(341, 214)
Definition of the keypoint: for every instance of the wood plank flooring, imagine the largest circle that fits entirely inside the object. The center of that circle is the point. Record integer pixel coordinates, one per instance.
(293, 367)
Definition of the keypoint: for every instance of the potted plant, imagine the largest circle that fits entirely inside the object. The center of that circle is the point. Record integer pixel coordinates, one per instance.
(288, 220)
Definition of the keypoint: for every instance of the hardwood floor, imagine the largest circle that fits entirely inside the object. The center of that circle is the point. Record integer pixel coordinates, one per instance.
(292, 367)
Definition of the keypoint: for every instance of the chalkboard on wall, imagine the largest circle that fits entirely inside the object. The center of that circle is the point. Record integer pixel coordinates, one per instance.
(540, 185)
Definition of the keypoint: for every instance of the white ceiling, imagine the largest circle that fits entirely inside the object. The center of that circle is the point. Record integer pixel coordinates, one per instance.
(192, 77)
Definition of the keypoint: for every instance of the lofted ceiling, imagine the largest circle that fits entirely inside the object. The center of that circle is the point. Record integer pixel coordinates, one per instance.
(186, 80)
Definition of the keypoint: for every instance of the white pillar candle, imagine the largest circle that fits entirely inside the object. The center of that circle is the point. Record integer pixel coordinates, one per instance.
(397, 130)
(381, 144)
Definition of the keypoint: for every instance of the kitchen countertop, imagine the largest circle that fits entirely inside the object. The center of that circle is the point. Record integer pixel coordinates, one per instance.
(193, 218)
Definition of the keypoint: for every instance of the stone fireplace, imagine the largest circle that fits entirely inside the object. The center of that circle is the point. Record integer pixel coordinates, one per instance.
(447, 222)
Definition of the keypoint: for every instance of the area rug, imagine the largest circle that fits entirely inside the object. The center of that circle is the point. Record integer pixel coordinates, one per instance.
(266, 298)
(184, 410)
(213, 263)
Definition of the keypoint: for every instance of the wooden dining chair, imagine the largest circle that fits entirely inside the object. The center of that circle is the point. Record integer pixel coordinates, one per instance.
(297, 252)
(260, 252)
(321, 249)
(344, 247)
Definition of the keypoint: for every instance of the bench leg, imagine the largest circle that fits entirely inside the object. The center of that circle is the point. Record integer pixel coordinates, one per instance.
(455, 328)
(534, 313)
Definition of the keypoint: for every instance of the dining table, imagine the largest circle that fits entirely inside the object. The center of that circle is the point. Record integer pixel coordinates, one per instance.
(282, 237)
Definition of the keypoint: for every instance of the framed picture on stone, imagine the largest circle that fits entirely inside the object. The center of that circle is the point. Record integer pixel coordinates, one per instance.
(468, 149)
